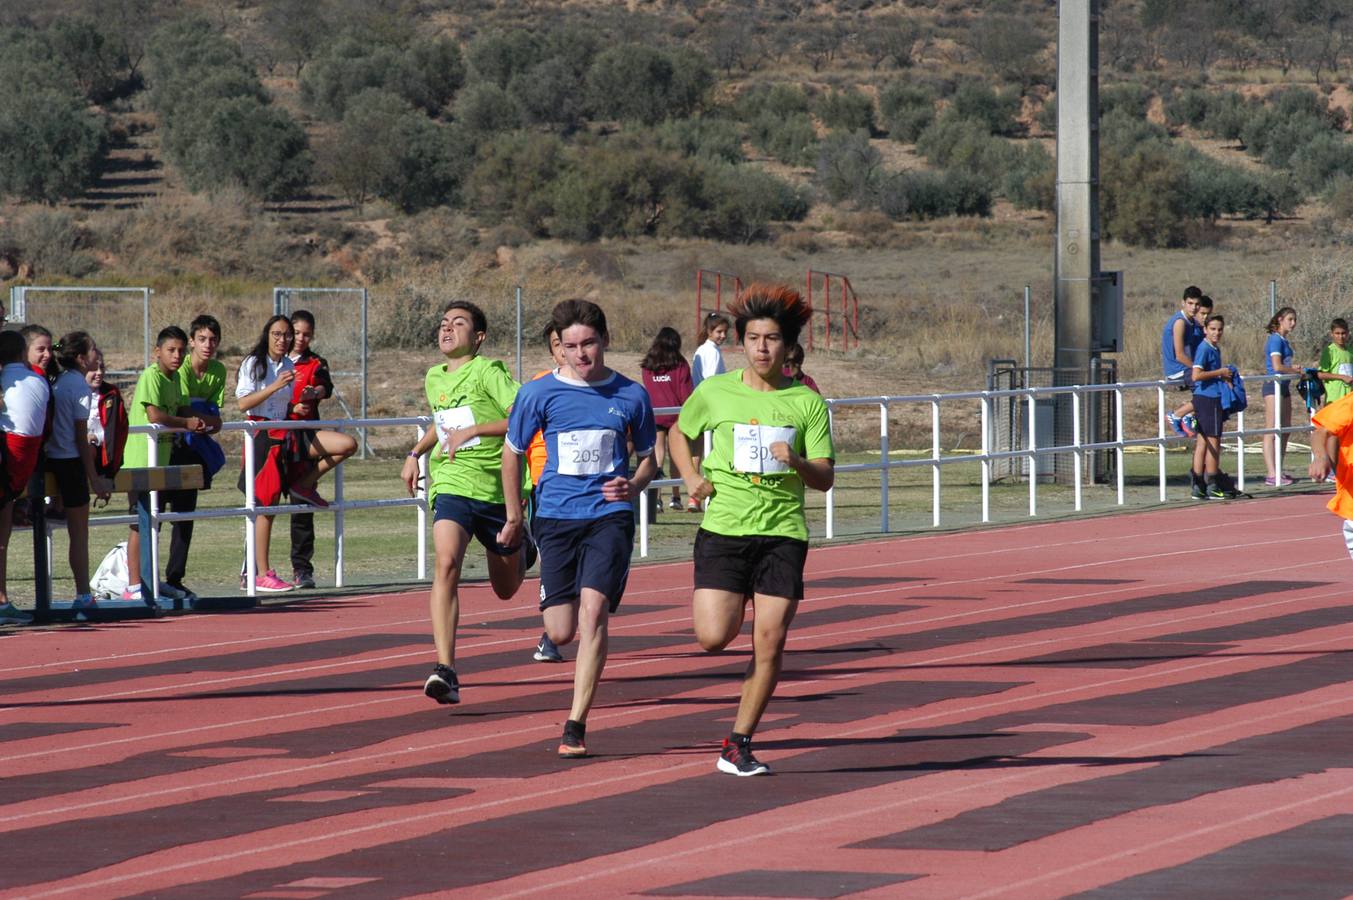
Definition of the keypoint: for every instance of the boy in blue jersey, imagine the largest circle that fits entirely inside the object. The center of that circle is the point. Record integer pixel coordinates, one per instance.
(1208, 374)
(1181, 336)
(583, 523)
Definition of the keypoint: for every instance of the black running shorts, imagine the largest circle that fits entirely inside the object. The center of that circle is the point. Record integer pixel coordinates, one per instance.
(750, 564)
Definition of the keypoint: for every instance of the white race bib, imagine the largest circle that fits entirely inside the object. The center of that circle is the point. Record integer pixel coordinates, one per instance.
(449, 420)
(1344, 368)
(751, 448)
(587, 452)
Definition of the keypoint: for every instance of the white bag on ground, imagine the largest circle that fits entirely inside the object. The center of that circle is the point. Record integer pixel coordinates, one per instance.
(110, 578)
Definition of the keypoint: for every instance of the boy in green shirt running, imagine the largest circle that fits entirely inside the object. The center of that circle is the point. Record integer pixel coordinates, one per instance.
(1336, 373)
(470, 398)
(771, 438)
(157, 401)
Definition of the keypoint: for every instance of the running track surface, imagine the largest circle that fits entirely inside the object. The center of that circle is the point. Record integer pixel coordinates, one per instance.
(1107, 707)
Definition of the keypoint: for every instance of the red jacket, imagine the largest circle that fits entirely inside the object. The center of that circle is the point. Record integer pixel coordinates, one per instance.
(311, 369)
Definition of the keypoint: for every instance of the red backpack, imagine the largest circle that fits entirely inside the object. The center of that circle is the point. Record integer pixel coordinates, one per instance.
(113, 417)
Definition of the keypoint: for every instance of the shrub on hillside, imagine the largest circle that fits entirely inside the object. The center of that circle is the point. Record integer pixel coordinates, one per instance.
(512, 181)
(635, 83)
(906, 110)
(791, 140)
(955, 143)
(849, 168)
(996, 111)
(427, 74)
(626, 188)
(241, 141)
(743, 201)
(485, 108)
(846, 110)
(1226, 116)
(1132, 98)
(1325, 157)
(550, 93)
(51, 242)
(929, 195)
(703, 137)
(1031, 180)
(1188, 107)
(1143, 199)
(1012, 46)
(780, 101)
(51, 146)
(497, 56)
(1214, 189)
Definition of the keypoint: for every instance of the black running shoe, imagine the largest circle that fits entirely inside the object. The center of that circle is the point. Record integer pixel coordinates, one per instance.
(442, 685)
(737, 759)
(546, 651)
(571, 746)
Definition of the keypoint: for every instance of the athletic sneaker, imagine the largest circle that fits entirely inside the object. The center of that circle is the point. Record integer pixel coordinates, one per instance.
(736, 759)
(269, 583)
(303, 580)
(1215, 492)
(131, 593)
(173, 592)
(1197, 492)
(1176, 423)
(546, 651)
(571, 745)
(1274, 482)
(442, 685)
(84, 601)
(694, 506)
(674, 504)
(1190, 425)
(307, 495)
(12, 615)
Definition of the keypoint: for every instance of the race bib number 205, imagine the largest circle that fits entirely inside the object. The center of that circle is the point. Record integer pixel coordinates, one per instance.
(751, 448)
(587, 452)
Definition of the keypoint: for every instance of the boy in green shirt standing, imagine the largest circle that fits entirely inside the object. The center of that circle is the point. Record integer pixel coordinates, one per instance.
(158, 400)
(771, 438)
(470, 398)
(201, 378)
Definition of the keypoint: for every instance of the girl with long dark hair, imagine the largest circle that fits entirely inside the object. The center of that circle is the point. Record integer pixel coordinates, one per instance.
(667, 378)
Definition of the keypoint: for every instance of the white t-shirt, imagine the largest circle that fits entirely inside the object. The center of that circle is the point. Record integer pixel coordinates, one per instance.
(26, 395)
(71, 396)
(94, 426)
(708, 360)
(279, 404)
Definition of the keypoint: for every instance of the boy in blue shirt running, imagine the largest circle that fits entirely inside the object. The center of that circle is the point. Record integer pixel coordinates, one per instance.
(583, 523)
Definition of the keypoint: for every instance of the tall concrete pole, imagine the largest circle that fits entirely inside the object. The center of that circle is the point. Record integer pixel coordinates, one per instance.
(1077, 251)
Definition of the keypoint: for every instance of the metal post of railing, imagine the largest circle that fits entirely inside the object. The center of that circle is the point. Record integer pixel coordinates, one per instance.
(422, 511)
(935, 455)
(1121, 436)
(1240, 450)
(338, 525)
(1033, 454)
(153, 460)
(831, 491)
(885, 459)
(1077, 457)
(643, 522)
(250, 517)
(1160, 447)
(986, 461)
(1278, 398)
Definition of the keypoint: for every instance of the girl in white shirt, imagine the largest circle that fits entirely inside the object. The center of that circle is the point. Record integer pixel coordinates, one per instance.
(708, 360)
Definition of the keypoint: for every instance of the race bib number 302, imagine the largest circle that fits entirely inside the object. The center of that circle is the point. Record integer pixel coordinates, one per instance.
(588, 452)
(449, 420)
(751, 448)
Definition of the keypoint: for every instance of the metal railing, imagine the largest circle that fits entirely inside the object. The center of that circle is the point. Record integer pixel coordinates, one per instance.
(936, 462)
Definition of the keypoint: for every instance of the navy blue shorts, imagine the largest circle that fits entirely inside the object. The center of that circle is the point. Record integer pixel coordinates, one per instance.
(1269, 386)
(583, 553)
(1207, 410)
(480, 519)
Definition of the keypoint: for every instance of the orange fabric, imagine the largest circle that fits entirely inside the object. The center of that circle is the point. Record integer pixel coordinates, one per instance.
(535, 451)
(1337, 419)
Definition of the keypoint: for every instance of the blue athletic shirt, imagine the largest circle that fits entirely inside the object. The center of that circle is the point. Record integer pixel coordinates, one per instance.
(1193, 336)
(1205, 359)
(585, 427)
(1278, 344)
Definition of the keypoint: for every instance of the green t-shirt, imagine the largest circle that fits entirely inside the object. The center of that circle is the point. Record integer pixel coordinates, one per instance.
(1336, 359)
(153, 388)
(211, 386)
(753, 493)
(479, 391)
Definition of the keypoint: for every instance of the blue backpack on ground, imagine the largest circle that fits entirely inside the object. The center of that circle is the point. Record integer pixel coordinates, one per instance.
(1233, 398)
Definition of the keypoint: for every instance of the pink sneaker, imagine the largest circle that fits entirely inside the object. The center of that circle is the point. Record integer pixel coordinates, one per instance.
(130, 594)
(270, 583)
(307, 495)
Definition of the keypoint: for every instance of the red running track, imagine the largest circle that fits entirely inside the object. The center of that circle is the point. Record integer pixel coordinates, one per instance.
(1103, 706)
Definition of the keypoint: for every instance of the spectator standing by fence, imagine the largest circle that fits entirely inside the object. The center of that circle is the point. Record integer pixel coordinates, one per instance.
(1335, 371)
(1178, 340)
(667, 378)
(22, 421)
(313, 384)
(70, 457)
(708, 359)
(1278, 359)
(794, 368)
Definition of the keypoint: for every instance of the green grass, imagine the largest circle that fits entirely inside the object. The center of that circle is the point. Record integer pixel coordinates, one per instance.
(380, 545)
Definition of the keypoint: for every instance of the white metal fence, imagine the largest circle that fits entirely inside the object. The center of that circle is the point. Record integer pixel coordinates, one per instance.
(1235, 440)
